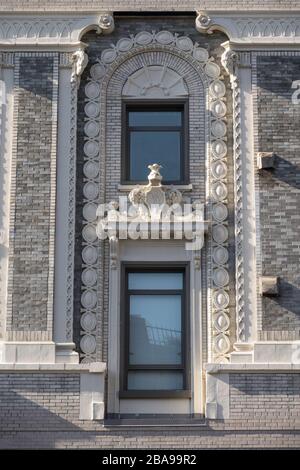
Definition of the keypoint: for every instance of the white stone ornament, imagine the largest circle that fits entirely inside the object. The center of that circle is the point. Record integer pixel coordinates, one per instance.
(200, 54)
(221, 322)
(92, 90)
(219, 149)
(108, 56)
(220, 277)
(143, 38)
(89, 255)
(212, 70)
(222, 344)
(217, 89)
(88, 321)
(91, 148)
(106, 23)
(218, 108)
(218, 129)
(221, 299)
(89, 299)
(88, 344)
(80, 60)
(219, 191)
(219, 169)
(184, 43)
(89, 277)
(156, 81)
(89, 233)
(91, 129)
(220, 233)
(220, 255)
(124, 44)
(92, 109)
(91, 169)
(220, 212)
(97, 71)
(165, 37)
(90, 190)
(90, 211)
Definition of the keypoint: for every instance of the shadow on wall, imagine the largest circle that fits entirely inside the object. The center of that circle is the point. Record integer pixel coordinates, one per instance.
(286, 172)
(289, 300)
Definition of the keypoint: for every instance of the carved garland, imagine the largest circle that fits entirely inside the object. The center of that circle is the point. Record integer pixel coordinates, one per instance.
(219, 278)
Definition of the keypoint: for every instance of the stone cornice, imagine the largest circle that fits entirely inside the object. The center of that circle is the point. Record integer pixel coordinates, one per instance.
(253, 29)
(62, 30)
(56, 30)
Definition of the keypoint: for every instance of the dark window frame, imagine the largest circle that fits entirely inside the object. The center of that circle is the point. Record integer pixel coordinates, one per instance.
(127, 267)
(162, 104)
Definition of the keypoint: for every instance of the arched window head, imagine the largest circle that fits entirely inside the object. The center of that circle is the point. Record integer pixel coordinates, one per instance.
(155, 81)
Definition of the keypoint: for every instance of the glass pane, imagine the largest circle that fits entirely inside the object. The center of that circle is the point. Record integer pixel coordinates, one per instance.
(148, 147)
(155, 329)
(155, 118)
(155, 281)
(155, 380)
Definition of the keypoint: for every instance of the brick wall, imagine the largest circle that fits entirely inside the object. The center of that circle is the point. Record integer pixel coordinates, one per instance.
(279, 189)
(41, 410)
(32, 211)
(135, 5)
(38, 401)
(273, 398)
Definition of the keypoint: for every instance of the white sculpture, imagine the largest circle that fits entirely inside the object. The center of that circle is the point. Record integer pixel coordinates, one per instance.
(80, 61)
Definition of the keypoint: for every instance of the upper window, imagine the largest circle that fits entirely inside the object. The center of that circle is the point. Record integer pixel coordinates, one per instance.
(155, 133)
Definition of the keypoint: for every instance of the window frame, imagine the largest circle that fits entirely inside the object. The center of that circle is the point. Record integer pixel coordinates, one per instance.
(129, 104)
(125, 326)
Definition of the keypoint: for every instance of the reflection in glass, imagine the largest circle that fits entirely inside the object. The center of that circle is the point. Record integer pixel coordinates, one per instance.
(155, 329)
(155, 380)
(162, 146)
(154, 118)
(155, 280)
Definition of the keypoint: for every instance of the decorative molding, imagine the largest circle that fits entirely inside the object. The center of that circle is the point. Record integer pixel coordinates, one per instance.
(231, 61)
(80, 60)
(71, 211)
(65, 30)
(218, 277)
(19, 30)
(257, 29)
(156, 81)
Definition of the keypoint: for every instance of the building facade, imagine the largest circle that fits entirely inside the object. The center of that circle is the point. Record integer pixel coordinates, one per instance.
(179, 337)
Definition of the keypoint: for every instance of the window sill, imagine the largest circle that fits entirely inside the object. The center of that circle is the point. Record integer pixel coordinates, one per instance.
(155, 394)
(181, 187)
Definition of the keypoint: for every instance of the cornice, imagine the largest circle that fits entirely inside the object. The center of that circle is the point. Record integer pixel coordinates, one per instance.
(46, 30)
(253, 29)
(62, 30)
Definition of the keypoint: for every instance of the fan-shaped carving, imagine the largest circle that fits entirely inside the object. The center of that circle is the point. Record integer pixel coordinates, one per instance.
(155, 81)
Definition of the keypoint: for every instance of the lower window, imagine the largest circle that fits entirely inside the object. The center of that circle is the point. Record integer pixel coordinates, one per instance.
(155, 347)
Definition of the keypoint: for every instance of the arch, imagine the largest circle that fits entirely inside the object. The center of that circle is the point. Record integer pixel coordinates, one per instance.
(154, 81)
(108, 75)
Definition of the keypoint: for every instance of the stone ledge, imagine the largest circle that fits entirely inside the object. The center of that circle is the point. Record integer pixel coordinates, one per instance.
(93, 368)
(251, 368)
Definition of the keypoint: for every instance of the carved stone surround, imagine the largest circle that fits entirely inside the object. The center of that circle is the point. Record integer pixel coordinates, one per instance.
(218, 276)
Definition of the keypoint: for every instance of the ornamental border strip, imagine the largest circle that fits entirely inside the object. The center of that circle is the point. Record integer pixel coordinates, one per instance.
(218, 276)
